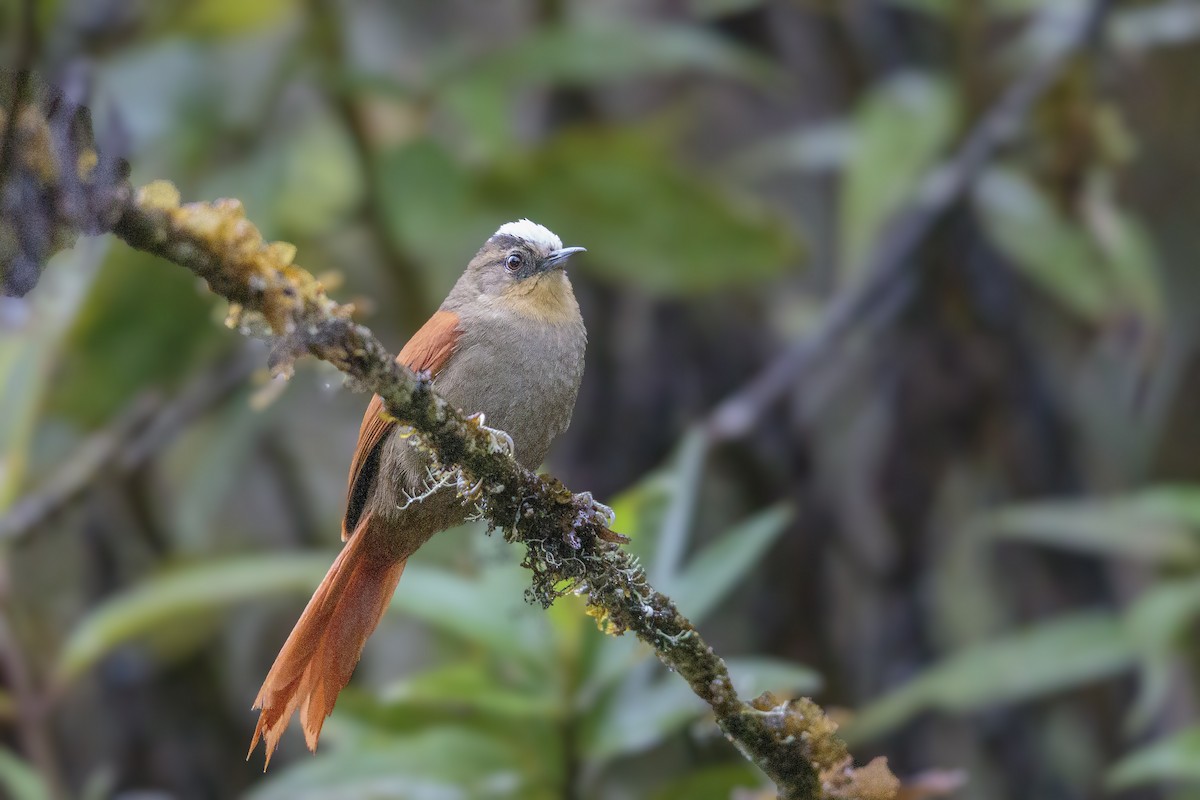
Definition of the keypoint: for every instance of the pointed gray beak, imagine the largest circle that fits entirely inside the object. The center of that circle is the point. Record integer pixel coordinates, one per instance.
(559, 257)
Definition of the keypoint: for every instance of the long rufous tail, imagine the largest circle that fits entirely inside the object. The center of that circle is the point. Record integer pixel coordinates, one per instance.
(319, 656)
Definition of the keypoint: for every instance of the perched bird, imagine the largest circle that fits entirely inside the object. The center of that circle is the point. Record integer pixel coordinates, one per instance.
(507, 342)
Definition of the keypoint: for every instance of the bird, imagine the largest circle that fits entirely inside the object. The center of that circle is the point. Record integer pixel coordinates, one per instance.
(508, 343)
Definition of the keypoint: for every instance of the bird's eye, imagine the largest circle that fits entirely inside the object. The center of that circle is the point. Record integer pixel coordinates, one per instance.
(513, 262)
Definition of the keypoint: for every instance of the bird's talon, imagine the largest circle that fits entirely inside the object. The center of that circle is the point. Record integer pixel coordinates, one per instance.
(501, 441)
(604, 511)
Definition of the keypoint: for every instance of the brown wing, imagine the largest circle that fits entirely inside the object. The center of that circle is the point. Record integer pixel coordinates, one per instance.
(427, 351)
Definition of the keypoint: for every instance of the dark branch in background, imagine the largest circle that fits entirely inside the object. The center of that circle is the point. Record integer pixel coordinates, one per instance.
(33, 729)
(125, 445)
(892, 263)
(329, 33)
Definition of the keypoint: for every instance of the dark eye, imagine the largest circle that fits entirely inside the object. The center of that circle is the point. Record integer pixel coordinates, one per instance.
(513, 262)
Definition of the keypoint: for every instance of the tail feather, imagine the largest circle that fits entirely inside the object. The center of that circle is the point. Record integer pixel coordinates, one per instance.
(320, 654)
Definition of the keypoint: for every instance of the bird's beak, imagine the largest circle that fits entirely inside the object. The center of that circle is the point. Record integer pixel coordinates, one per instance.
(558, 257)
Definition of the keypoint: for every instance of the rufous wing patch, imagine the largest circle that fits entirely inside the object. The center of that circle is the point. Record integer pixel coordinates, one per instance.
(427, 351)
(431, 347)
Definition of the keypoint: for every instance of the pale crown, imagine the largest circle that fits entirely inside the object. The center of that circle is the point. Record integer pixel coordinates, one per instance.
(531, 232)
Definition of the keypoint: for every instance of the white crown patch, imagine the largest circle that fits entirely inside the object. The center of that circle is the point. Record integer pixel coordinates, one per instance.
(531, 232)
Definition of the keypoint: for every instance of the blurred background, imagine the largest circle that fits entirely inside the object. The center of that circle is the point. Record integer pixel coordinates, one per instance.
(962, 511)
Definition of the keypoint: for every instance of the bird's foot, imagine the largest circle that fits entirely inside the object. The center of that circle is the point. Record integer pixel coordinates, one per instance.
(501, 442)
(594, 511)
(605, 512)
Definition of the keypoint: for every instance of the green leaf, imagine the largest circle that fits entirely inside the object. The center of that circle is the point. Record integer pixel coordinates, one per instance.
(713, 573)
(705, 580)
(647, 221)
(604, 659)
(487, 609)
(1065, 652)
(1126, 246)
(28, 355)
(640, 510)
(142, 325)
(753, 675)
(711, 783)
(611, 661)
(479, 91)
(1156, 622)
(638, 720)
(1175, 758)
(435, 209)
(19, 781)
(590, 53)
(642, 514)
(900, 130)
(364, 722)
(445, 762)
(24, 368)
(1052, 252)
(229, 17)
(476, 687)
(182, 596)
(1158, 525)
(321, 181)
(209, 461)
(686, 477)
(1179, 502)
(592, 187)
(818, 148)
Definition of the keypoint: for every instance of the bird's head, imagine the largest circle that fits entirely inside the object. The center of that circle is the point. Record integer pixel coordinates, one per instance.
(521, 259)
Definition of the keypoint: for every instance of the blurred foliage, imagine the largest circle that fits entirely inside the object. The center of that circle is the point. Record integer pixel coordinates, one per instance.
(19, 780)
(590, 184)
(94, 385)
(978, 523)
(520, 684)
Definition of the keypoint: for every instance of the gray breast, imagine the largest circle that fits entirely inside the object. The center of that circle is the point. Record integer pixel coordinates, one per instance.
(524, 376)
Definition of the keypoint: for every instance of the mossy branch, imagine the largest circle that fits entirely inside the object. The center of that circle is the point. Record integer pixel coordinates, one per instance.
(569, 546)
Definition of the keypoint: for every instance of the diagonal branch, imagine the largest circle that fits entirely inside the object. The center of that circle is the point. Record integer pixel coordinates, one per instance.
(147, 426)
(570, 547)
